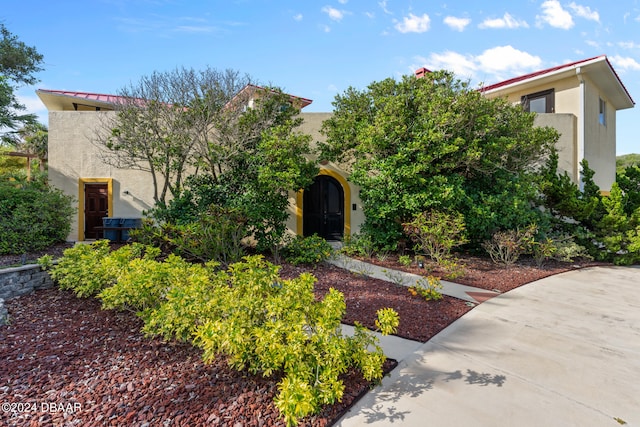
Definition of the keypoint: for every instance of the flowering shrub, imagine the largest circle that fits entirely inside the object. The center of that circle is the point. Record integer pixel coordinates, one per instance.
(429, 288)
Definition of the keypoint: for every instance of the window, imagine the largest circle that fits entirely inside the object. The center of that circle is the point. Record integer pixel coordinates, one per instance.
(539, 102)
(602, 117)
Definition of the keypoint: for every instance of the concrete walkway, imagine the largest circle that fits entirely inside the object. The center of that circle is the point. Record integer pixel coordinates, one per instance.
(562, 351)
(465, 293)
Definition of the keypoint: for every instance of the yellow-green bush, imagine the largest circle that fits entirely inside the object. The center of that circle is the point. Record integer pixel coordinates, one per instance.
(248, 314)
(82, 269)
(87, 269)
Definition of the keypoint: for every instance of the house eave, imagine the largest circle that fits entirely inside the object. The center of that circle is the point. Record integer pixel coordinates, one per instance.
(597, 69)
(58, 101)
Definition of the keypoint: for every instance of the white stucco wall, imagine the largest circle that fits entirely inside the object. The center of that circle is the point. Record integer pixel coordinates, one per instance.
(599, 140)
(72, 156)
(312, 125)
(566, 125)
(598, 145)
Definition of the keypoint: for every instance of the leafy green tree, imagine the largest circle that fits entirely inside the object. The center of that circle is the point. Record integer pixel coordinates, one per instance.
(574, 212)
(435, 143)
(158, 124)
(564, 199)
(629, 182)
(18, 64)
(261, 158)
(30, 140)
(10, 165)
(619, 231)
(33, 139)
(626, 160)
(210, 137)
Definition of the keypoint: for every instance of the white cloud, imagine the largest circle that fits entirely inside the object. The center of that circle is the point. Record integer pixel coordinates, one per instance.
(383, 6)
(414, 24)
(297, 17)
(629, 45)
(34, 105)
(457, 24)
(585, 12)
(554, 15)
(370, 15)
(334, 14)
(461, 65)
(507, 21)
(496, 63)
(194, 29)
(625, 63)
(343, 1)
(507, 59)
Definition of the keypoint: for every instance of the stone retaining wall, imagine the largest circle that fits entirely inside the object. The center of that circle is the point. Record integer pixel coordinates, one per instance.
(21, 280)
(3, 312)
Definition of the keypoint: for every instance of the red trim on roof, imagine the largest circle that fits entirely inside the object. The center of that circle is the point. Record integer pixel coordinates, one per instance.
(553, 69)
(536, 74)
(620, 80)
(99, 97)
(116, 99)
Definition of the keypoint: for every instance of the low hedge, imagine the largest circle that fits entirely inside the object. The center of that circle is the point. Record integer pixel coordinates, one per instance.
(246, 313)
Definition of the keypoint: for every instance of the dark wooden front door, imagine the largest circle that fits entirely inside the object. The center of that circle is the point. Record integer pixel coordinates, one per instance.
(323, 209)
(96, 206)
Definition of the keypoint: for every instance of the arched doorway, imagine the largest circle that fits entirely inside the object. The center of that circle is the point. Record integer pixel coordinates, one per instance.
(323, 208)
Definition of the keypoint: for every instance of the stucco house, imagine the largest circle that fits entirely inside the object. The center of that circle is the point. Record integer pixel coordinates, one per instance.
(579, 99)
(102, 190)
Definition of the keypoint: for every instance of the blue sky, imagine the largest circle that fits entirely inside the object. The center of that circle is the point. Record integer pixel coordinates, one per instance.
(317, 49)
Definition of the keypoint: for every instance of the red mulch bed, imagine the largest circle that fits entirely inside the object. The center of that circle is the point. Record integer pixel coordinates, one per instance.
(66, 362)
(481, 272)
(60, 351)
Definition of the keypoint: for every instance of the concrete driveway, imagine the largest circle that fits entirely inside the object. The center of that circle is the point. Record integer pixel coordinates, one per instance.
(562, 351)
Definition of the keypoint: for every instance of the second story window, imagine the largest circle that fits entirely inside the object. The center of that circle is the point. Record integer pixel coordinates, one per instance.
(602, 117)
(539, 102)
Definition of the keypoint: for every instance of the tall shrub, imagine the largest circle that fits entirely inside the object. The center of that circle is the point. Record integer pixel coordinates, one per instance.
(436, 233)
(32, 217)
(436, 143)
(619, 231)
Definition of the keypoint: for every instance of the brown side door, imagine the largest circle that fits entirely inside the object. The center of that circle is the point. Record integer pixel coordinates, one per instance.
(96, 206)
